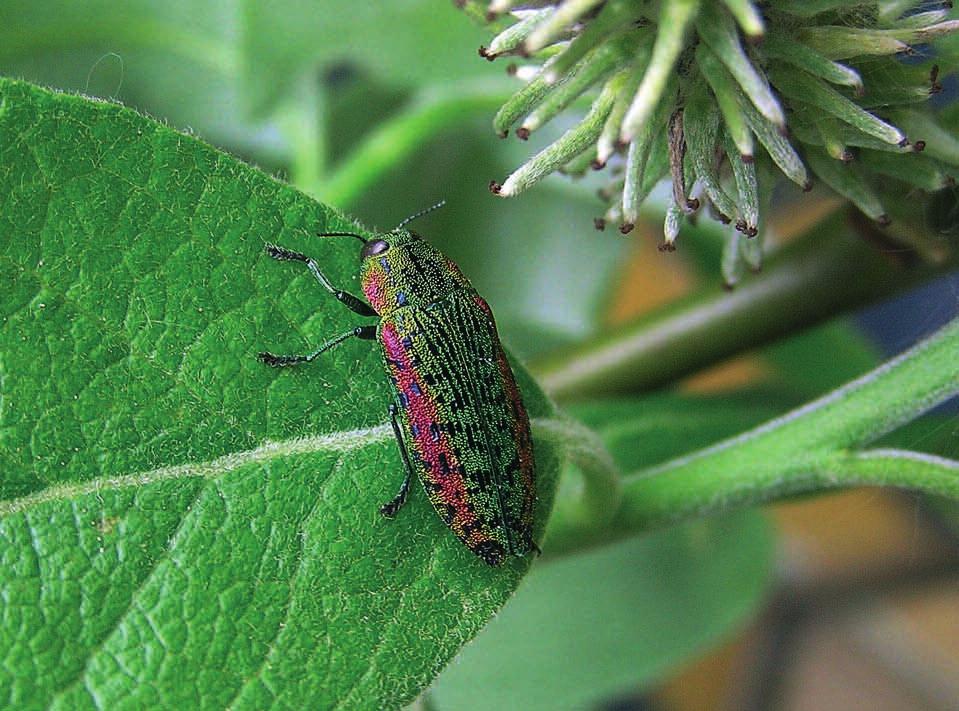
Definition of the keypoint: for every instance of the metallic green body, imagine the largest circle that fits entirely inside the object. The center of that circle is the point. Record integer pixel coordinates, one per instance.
(465, 428)
(457, 413)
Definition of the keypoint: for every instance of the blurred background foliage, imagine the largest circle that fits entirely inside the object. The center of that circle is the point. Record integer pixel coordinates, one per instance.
(299, 88)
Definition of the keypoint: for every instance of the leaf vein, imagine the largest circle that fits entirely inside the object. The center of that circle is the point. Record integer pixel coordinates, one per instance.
(288, 610)
(81, 677)
(344, 441)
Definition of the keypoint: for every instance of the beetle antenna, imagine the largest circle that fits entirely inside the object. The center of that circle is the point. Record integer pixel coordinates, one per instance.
(419, 214)
(342, 234)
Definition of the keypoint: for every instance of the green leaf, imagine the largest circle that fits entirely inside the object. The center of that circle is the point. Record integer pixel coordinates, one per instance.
(179, 524)
(587, 627)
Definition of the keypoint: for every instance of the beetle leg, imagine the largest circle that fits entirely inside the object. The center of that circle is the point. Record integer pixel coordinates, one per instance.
(351, 302)
(390, 508)
(367, 333)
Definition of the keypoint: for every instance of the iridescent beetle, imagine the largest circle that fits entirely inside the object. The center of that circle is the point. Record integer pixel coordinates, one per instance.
(456, 413)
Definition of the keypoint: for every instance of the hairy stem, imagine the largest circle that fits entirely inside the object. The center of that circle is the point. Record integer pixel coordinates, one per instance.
(302, 123)
(594, 495)
(830, 271)
(395, 139)
(809, 449)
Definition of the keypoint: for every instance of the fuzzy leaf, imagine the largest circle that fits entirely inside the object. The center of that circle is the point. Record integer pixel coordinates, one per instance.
(179, 524)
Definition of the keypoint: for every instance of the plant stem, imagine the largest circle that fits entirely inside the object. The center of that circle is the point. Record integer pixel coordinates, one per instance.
(890, 467)
(302, 124)
(394, 140)
(806, 450)
(593, 497)
(831, 270)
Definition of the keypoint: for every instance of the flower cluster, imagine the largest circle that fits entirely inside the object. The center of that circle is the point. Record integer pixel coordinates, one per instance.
(699, 90)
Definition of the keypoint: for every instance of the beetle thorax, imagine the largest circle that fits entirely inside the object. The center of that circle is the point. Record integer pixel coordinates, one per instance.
(409, 273)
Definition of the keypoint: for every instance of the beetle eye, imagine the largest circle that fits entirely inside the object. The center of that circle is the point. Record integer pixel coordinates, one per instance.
(373, 247)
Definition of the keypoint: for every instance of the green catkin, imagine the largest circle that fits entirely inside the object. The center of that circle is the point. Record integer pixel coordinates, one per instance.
(796, 54)
(701, 127)
(592, 70)
(566, 13)
(616, 17)
(717, 30)
(513, 36)
(747, 16)
(917, 169)
(847, 180)
(727, 98)
(747, 188)
(810, 90)
(675, 18)
(827, 65)
(570, 144)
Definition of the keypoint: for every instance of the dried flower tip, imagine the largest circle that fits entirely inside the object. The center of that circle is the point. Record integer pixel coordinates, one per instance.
(599, 223)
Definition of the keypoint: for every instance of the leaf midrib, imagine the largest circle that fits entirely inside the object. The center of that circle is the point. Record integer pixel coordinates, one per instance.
(341, 442)
(345, 441)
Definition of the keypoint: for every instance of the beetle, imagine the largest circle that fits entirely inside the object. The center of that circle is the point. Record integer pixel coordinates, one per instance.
(456, 411)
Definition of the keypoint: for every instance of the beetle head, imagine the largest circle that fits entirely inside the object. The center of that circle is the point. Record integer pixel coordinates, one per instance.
(400, 269)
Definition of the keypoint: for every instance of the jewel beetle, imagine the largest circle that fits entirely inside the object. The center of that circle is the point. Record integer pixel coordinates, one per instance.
(456, 410)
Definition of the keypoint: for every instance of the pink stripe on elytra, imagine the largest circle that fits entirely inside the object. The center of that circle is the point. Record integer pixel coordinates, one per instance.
(422, 413)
